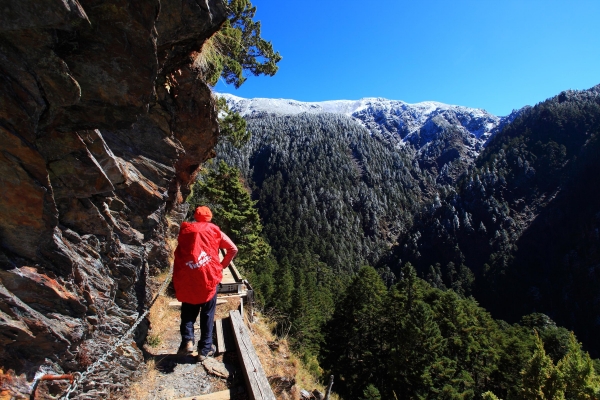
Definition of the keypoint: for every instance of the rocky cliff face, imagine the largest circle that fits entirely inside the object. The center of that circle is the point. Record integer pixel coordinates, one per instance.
(103, 125)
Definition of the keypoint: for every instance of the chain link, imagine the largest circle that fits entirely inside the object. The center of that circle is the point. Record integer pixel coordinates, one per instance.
(81, 376)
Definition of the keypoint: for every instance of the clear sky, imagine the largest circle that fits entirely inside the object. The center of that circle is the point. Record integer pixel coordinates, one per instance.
(498, 55)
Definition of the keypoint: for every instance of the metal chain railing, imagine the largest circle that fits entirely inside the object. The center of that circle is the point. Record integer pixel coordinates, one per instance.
(80, 377)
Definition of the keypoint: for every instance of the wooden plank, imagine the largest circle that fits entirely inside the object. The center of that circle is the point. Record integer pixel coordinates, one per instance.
(237, 277)
(234, 271)
(228, 277)
(223, 395)
(220, 336)
(231, 271)
(253, 371)
(229, 295)
(178, 303)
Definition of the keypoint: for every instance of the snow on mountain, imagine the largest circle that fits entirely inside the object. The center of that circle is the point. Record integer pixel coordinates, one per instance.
(395, 120)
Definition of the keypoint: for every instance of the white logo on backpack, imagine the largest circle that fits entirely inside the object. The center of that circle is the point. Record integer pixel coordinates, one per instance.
(203, 259)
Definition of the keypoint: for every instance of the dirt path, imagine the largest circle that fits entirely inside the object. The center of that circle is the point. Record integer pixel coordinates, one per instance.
(170, 376)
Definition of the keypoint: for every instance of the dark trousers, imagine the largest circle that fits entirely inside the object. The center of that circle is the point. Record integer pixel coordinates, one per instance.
(189, 313)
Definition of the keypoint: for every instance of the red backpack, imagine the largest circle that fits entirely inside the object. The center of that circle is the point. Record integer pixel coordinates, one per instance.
(197, 269)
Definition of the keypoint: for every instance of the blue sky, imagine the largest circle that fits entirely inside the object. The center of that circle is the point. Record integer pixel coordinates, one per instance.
(498, 55)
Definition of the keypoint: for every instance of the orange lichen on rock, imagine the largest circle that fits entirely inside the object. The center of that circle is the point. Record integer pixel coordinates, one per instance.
(13, 386)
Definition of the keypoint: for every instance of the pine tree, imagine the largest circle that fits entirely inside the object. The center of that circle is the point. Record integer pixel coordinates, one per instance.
(408, 284)
(516, 345)
(232, 126)
(354, 334)
(413, 339)
(577, 370)
(238, 47)
(541, 379)
(490, 396)
(371, 393)
(311, 305)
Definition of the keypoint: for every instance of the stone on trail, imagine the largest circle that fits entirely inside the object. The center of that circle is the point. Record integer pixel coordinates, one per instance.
(217, 368)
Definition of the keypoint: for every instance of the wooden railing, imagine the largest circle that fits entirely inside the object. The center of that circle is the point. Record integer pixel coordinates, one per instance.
(254, 374)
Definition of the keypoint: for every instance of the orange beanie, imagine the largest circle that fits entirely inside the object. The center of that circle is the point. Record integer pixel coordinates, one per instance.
(203, 214)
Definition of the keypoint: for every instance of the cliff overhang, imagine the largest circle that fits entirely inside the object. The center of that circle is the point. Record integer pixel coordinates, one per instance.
(103, 126)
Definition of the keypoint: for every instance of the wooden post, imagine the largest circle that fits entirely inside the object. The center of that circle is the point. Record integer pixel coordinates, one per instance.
(329, 388)
(249, 301)
(242, 307)
(250, 305)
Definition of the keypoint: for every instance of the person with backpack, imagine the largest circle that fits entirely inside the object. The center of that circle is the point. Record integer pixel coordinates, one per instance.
(197, 272)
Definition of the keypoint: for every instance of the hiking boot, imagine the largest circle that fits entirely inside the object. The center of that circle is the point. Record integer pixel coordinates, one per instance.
(186, 347)
(211, 353)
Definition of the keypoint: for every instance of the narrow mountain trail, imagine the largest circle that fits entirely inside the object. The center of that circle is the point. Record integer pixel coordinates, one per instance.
(170, 376)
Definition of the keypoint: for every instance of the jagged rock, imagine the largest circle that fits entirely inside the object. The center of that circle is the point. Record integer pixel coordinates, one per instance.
(27, 335)
(103, 155)
(182, 27)
(96, 156)
(41, 292)
(192, 115)
(32, 14)
(26, 205)
(83, 216)
(177, 216)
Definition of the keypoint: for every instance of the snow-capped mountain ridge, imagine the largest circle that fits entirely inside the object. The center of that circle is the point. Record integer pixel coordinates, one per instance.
(348, 107)
(397, 120)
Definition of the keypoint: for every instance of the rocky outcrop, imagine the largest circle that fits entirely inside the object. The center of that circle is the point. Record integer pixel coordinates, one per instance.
(103, 125)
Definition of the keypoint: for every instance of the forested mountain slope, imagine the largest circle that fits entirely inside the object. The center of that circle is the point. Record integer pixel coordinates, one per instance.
(325, 186)
(362, 166)
(526, 219)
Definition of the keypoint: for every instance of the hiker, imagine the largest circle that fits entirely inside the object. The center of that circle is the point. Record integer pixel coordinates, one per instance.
(196, 274)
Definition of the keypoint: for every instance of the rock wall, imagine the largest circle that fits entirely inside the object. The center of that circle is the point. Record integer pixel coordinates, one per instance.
(103, 125)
